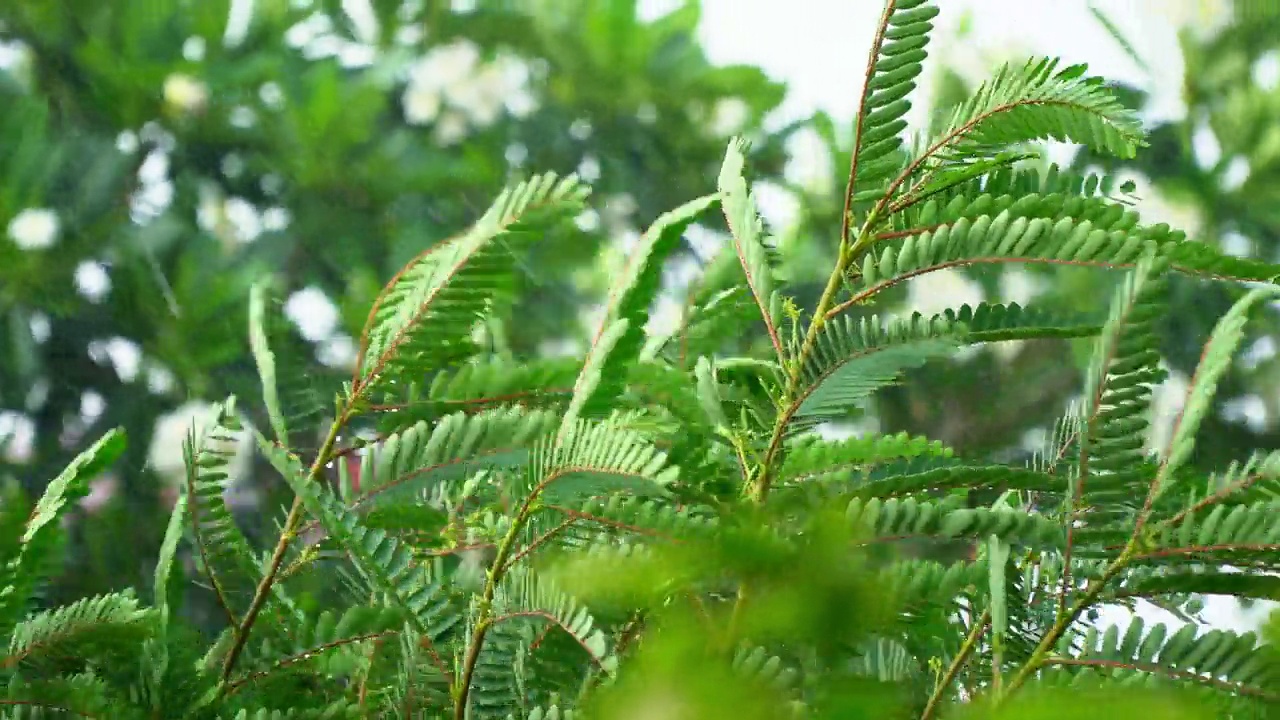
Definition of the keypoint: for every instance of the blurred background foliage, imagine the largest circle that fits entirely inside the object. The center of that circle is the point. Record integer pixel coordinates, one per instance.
(158, 157)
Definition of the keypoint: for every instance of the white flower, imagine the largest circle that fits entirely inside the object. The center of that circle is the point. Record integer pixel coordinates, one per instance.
(617, 211)
(34, 228)
(185, 93)
(122, 354)
(421, 104)
(92, 280)
(480, 96)
(17, 437)
(165, 455)
(446, 65)
(729, 116)
(339, 351)
(313, 312)
(515, 73)
(451, 128)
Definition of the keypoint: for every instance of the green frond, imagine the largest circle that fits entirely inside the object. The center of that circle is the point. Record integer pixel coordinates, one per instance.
(1218, 659)
(908, 517)
(593, 458)
(1020, 105)
(888, 661)
(1241, 535)
(544, 631)
(925, 474)
(759, 665)
(227, 558)
(1108, 477)
(79, 695)
(1256, 479)
(919, 584)
(1204, 582)
(707, 323)
(853, 358)
(620, 338)
(748, 237)
(421, 678)
(384, 563)
(1214, 362)
(337, 710)
(898, 52)
(483, 384)
(266, 361)
(648, 518)
(318, 639)
(425, 316)
(1013, 235)
(22, 575)
(998, 323)
(811, 457)
(1028, 192)
(457, 446)
(167, 589)
(550, 712)
(88, 630)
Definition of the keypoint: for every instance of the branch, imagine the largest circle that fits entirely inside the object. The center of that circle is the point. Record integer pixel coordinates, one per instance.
(966, 649)
(277, 556)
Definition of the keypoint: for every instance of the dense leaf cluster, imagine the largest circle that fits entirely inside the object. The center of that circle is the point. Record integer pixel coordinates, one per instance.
(658, 529)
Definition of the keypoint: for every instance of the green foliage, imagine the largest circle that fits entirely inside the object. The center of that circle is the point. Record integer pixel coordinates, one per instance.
(644, 533)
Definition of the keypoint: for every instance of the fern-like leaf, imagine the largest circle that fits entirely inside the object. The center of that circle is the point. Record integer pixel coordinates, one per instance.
(620, 338)
(895, 62)
(425, 316)
(385, 564)
(747, 231)
(23, 574)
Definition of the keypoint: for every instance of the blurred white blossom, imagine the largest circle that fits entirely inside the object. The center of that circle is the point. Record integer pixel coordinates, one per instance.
(451, 129)
(92, 281)
(17, 437)
(450, 87)
(338, 351)
(729, 116)
(122, 354)
(313, 313)
(34, 228)
(185, 94)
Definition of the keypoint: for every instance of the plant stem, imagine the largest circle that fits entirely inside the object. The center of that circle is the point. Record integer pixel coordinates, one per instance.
(1065, 620)
(462, 691)
(966, 649)
(277, 556)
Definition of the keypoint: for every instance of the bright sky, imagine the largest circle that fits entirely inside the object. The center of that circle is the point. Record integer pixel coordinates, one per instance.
(819, 46)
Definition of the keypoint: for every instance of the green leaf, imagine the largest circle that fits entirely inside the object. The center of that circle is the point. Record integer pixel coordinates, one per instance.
(1034, 102)
(266, 361)
(747, 232)
(1214, 362)
(620, 337)
(426, 314)
(852, 359)
(24, 573)
(897, 57)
